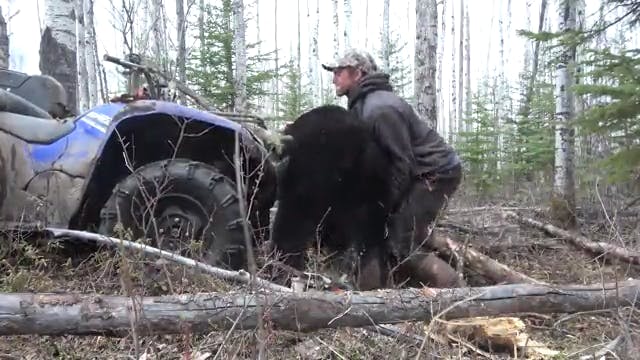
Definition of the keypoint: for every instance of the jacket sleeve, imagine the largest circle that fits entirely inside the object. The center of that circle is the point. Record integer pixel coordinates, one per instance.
(393, 135)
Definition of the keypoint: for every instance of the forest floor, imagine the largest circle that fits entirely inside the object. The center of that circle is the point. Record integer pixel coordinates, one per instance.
(29, 268)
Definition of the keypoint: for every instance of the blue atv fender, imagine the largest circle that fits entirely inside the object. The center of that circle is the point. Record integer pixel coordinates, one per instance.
(68, 173)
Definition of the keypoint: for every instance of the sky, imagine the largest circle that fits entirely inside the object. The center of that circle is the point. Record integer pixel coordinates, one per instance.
(25, 27)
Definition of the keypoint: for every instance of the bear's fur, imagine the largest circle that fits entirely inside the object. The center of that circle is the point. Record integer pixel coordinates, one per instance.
(332, 189)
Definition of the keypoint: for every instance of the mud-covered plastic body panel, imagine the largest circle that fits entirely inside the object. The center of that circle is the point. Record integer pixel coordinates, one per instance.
(44, 184)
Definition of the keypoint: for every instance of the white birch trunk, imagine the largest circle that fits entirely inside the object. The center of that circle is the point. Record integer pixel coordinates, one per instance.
(499, 86)
(90, 48)
(386, 43)
(316, 55)
(528, 50)
(201, 33)
(426, 55)
(276, 91)
(181, 58)
(579, 100)
(563, 204)
(58, 47)
(366, 25)
(461, 67)
(347, 24)
(298, 61)
(4, 43)
(241, 57)
(453, 118)
(467, 50)
(258, 45)
(336, 32)
(441, 119)
(81, 55)
(313, 55)
(157, 31)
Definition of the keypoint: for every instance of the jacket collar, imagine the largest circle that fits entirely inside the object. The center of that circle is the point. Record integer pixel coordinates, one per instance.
(367, 84)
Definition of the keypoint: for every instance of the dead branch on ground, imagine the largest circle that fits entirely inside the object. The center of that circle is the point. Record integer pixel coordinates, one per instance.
(74, 314)
(597, 247)
(493, 208)
(237, 276)
(482, 264)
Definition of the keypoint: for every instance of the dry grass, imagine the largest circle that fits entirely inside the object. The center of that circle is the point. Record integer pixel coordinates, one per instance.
(26, 267)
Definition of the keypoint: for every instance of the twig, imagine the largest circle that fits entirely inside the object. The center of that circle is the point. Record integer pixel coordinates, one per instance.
(240, 276)
(607, 349)
(253, 268)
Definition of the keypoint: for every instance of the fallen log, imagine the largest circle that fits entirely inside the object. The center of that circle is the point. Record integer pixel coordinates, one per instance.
(74, 314)
(596, 247)
(241, 276)
(481, 263)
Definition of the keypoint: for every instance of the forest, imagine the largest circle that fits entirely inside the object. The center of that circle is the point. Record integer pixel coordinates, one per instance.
(540, 99)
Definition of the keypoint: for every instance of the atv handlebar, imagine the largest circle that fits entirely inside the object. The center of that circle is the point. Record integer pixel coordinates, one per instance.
(124, 63)
(148, 70)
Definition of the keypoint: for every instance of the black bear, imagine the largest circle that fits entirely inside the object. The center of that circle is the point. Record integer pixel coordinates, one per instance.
(333, 188)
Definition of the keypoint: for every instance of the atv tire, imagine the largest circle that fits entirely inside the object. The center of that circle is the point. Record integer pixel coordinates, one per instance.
(212, 205)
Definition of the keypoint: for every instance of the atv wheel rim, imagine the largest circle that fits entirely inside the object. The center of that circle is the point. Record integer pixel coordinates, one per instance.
(180, 219)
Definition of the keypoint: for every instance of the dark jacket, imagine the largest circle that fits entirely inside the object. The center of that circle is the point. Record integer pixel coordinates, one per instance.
(415, 148)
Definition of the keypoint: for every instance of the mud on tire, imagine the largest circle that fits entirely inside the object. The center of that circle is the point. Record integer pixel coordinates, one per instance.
(191, 195)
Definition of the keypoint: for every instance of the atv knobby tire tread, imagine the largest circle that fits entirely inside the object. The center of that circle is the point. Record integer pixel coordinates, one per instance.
(223, 238)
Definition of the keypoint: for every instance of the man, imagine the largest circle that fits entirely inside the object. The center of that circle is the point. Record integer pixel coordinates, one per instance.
(425, 171)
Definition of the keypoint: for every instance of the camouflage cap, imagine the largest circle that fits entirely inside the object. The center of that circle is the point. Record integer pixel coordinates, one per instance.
(361, 60)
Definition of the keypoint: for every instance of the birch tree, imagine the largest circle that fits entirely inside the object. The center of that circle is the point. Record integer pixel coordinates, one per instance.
(276, 90)
(241, 56)
(467, 51)
(158, 27)
(90, 50)
(83, 90)
(336, 32)
(182, 47)
(201, 29)
(425, 59)
(563, 200)
(453, 118)
(312, 28)
(439, 83)
(461, 66)
(4, 43)
(58, 46)
(319, 83)
(386, 42)
(347, 24)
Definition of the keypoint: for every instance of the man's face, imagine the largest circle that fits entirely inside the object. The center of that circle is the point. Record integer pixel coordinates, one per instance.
(345, 79)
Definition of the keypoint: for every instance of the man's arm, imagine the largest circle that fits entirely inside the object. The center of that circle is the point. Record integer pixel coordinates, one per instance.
(393, 135)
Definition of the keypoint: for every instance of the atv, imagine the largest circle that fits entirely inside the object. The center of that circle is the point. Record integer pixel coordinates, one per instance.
(140, 164)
